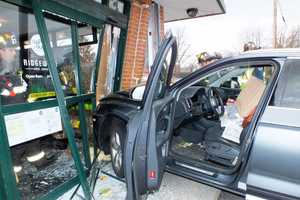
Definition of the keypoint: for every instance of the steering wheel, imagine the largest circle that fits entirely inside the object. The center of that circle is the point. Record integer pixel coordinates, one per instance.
(215, 102)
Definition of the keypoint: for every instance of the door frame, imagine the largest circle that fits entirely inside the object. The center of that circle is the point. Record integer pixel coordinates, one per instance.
(191, 79)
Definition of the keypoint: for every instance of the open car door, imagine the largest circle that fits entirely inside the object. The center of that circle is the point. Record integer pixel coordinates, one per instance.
(147, 143)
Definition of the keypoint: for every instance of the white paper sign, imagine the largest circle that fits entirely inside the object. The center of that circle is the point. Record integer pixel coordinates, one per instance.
(232, 123)
(233, 132)
(26, 126)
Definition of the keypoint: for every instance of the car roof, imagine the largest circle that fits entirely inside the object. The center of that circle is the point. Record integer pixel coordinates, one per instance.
(275, 53)
(261, 53)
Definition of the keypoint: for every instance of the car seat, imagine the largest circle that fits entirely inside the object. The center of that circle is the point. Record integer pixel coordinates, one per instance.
(221, 150)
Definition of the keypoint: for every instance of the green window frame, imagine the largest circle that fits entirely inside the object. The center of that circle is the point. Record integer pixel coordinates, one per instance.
(96, 15)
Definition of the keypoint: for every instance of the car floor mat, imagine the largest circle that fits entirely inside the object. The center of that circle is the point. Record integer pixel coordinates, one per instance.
(187, 149)
(191, 133)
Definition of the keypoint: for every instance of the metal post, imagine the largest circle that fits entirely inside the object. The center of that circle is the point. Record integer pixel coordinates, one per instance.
(82, 115)
(7, 176)
(157, 11)
(121, 50)
(94, 84)
(42, 29)
(98, 58)
(275, 2)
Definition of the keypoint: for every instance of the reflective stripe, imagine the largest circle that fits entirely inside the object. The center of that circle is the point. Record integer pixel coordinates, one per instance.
(35, 96)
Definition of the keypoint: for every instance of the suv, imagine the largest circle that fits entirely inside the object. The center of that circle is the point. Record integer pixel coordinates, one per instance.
(233, 124)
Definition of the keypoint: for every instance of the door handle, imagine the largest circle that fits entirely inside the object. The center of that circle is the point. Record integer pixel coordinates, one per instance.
(168, 121)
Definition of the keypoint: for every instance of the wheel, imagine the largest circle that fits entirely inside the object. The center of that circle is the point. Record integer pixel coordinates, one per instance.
(117, 133)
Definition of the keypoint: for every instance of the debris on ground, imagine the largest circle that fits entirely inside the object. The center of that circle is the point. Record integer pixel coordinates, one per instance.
(104, 157)
(37, 179)
(105, 192)
(103, 178)
(184, 144)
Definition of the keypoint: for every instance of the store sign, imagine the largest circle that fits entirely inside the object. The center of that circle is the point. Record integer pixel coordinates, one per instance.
(34, 63)
(35, 69)
(36, 45)
(26, 126)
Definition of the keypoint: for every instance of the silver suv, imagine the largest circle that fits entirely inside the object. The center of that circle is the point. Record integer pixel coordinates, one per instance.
(233, 124)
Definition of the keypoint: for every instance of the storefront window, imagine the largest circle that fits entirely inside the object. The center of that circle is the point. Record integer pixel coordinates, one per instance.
(21, 58)
(38, 145)
(88, 41)
(38, 142)
(61, 43)
(24, 73)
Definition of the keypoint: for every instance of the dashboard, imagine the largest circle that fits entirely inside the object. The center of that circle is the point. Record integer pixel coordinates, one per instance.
(191, 103)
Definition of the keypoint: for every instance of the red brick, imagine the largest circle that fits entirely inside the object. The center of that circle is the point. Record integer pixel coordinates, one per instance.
(136, 46)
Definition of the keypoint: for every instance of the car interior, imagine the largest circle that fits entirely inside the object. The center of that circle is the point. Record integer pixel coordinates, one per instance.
(212, 115)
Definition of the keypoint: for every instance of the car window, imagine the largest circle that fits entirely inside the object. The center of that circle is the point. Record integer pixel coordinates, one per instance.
(162, 82)
(236, 77)
(138, 92)
(288, 89)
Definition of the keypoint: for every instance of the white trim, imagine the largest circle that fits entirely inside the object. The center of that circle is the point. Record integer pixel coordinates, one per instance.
(242, 186)
(252, 197)
(195, 168)
(281, 116)
(293, 58)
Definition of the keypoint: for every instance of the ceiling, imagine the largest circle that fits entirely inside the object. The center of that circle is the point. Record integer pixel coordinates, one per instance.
(176, 10)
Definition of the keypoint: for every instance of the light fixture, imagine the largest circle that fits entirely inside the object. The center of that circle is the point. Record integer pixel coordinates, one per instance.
(2, 21)
(36, 157)
(17, 169)
(192, 12)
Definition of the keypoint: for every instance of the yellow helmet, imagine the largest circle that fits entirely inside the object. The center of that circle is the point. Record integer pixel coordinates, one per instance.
(206, 57)
(249, 46)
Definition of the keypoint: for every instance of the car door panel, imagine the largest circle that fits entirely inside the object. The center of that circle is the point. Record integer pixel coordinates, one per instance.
(149, 130)
(160, 130)
(133, 161)
(275, 156)
(162, 113)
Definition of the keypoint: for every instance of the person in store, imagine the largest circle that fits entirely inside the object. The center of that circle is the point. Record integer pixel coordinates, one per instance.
(13, 88)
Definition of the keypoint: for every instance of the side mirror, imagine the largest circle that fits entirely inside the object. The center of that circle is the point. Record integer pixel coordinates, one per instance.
(138, 92)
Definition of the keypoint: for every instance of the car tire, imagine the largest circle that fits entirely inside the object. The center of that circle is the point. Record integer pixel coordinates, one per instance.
(117, 136)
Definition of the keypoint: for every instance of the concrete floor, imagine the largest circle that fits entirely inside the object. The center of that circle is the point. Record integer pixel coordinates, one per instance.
(178, 188)
(173, 188)
(229, 196)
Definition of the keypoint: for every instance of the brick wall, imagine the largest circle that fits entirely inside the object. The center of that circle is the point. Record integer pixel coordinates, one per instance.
(162, 19)
(136, 46)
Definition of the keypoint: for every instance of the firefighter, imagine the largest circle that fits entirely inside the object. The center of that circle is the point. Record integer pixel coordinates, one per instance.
(206, 58)
(259, 71)
(250, 46)
(12, 86)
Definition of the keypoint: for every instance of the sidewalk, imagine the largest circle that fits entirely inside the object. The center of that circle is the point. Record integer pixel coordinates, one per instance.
(173, 188)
